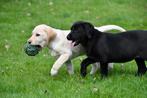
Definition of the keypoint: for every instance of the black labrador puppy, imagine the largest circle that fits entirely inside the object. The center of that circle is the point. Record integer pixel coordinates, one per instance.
(107, 47)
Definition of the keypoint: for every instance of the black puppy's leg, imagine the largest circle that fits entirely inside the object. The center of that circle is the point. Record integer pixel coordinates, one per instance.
(84, 65)
(141, 66)
(104, 69)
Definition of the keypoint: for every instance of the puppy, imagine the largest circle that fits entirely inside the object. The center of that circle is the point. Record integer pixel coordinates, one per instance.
(55, 39)
(107, 47)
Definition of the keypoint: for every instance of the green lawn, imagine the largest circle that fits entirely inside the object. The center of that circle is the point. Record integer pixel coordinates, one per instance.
(22, 76)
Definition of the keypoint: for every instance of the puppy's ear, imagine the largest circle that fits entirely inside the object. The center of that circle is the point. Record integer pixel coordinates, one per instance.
(89, 30)
(89, 35)
(50, 33)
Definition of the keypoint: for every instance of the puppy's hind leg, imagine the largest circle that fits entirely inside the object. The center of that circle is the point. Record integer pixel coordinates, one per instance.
(84, 65)
(141, 66)
(70, 68)
(94, 68)
(110, 66)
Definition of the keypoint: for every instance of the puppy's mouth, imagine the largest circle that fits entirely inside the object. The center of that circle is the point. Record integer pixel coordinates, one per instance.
(75, 43)
(38, 46)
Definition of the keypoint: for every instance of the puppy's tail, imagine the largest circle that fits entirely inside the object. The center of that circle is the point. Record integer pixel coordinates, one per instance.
(110, 27)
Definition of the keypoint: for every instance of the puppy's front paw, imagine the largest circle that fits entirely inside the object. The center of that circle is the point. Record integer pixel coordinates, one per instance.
(53, 72)
(103, 77)
(83, 73)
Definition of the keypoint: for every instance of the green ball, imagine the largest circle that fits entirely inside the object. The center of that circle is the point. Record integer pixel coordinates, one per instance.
(31, 50)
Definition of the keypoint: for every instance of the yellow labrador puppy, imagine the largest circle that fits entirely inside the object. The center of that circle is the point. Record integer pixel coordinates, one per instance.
(55, 40)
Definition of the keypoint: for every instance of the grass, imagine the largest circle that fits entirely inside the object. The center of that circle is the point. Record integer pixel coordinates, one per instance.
(28, 77)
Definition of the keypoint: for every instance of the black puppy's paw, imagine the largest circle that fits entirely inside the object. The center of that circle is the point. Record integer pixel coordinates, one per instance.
(104, 76)
(83, 73)
(138, 74)
(141, 72)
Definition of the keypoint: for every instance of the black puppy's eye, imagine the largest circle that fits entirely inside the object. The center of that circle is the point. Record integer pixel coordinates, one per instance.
(37, 34)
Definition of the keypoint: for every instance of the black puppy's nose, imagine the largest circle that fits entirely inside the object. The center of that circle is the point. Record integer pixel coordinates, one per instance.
(69, 36)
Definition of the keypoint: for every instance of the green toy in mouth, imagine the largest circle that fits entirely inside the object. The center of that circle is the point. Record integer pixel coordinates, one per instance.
(32, 50)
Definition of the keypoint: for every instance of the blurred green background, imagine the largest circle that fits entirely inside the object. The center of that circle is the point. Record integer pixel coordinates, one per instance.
(22, 76)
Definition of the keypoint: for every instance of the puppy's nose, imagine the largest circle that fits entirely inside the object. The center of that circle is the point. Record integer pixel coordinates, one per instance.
(69, 36)
(29, 42)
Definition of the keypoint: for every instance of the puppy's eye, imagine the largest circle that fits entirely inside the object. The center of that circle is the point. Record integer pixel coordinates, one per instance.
(37, 34)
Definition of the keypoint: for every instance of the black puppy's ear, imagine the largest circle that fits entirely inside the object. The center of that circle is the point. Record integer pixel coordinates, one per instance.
(89, 34)
(89, 30)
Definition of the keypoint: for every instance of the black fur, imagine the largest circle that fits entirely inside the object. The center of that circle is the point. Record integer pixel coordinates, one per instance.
(107, 47)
